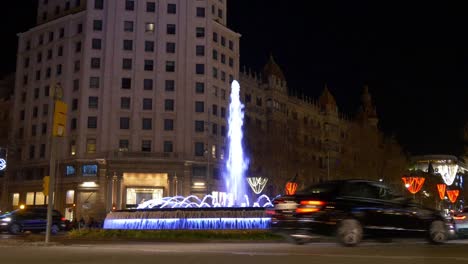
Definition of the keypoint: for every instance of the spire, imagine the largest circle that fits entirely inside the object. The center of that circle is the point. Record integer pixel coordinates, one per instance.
(327, 101)
(271, 68)
(368, 111)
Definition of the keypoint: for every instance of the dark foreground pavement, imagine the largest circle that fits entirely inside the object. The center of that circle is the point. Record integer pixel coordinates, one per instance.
(404, 251)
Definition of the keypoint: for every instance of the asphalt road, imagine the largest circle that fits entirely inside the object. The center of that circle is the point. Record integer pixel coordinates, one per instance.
(403, 251)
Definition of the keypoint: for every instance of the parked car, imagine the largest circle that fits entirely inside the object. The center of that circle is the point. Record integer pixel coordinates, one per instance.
(461, 223)
(355, 209)
(31, 219)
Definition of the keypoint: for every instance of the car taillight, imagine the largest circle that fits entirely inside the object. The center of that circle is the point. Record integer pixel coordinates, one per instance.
(459, 217)
(63, 219)
(309, 206)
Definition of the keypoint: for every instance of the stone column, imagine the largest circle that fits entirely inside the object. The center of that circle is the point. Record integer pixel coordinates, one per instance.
(186, 181)
(110, 191)
(118, 190)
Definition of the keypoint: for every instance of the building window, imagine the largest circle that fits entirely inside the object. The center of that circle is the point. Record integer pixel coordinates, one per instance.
(95, 44)
(231, 62)
(32, 151)
(73, 124)
(200, 68)
(170, 47)
(98, 4)
(170, 85)
(128, 44)
(170, 66)
(223, 76)
(200, 32)
(92, 121)
(127, 64)
(42, 151)
(125, 102)
(150, 7)
(70, 197)
(171, 8)
(39, 57)
(215, 54)
(168, 124)
(60, 51)
(199, 107)
(148, 84)
(128, 26)
(93, 82)
(149, 27)
(200, 50)
(214, 110)
(223, 41)
(215, 73)
(171, 29)
(95, 63)
(93, 102)
(215, 37)
(58, 69)
(33, 130)
(36, 93)
(146, 145)
(74, 104)
(215, 129)
(147, 104)
(38, 75)
(79, 28)
(45, 109)
(199, 87)
(124, 123)
(200, 12)
(49, 54)
(149, 46)
(223, 112)
(148, 65)
(169, 105)
(77, 66)
(62, 32)
(41, 39)
(199, 149)
(35, 112)
(231, 45)
(91, 145)
(126, 83)
(76, 85)
(220, 13)
(199, 126)
(123, 145)
(51, 36)
(97, 25)
(223, 59)
(129, 5)
(147, 124)
(168, 146)
(223, 131)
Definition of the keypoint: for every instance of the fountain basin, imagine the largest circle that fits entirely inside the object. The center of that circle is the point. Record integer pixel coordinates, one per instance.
(188, 219)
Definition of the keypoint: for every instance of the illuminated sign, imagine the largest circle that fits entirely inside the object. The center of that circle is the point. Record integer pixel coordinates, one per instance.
(89, 170)
(2, 164)
(3, 159)
(70, 170)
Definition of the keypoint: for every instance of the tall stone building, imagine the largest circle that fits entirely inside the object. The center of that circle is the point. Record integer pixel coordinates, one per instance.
(146, 85)
(289, 136)
(6, 93)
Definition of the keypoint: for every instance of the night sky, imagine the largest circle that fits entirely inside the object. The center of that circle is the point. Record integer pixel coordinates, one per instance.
(414, 58)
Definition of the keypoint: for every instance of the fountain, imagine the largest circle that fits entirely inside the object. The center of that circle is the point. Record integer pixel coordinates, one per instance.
(230, 211)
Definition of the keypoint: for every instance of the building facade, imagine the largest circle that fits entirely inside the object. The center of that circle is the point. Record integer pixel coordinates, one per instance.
(146, 85)
(297, 138)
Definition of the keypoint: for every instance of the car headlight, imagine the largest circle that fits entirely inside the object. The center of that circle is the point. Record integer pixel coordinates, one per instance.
(6, 219)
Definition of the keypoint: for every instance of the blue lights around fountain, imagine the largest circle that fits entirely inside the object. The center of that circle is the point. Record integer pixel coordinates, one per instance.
(232, 210)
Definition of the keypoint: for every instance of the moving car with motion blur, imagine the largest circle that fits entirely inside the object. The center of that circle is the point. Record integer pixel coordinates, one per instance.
(355, 209)
(461, 223)
(32, 219)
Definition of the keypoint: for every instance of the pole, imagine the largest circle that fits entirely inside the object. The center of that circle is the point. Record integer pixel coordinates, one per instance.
(50, 197)
(328, 164)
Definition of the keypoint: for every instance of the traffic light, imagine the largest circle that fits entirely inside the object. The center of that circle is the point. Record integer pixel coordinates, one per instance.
(45, 185)
(60, 119)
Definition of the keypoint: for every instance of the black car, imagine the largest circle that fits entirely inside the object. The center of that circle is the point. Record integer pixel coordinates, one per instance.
(353, 209)
(31, 219)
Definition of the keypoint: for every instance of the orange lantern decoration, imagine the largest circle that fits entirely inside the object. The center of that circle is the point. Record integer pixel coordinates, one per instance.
(291, 188)
(441, 188)
(414, 184)
(453, 195)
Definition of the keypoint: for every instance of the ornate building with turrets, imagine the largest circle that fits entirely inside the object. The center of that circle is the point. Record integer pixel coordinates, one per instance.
(289, 136)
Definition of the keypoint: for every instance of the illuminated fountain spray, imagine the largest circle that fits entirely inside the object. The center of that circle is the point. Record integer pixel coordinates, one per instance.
(237, 164)
(191, 212)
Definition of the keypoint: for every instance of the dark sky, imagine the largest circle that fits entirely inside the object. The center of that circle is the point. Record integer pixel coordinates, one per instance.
(414, 57)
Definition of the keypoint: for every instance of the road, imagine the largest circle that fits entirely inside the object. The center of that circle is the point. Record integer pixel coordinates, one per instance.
(404, 251)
